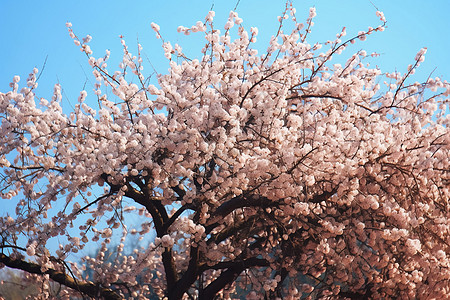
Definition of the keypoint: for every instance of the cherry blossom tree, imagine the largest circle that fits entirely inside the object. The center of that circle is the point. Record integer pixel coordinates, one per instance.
(273, 175)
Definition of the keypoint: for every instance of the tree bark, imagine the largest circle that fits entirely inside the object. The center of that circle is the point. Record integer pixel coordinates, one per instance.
(85, 287)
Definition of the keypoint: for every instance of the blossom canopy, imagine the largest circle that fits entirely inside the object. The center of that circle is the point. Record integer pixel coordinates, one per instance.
(270, 175)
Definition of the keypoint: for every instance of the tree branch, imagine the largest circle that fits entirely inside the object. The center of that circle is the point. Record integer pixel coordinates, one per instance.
(232, 230)
(188, 278)
(235, 203)
(176, 215)
(244, 264)
(159, 215)
(323, 197)
(86, 287)
(228, 276)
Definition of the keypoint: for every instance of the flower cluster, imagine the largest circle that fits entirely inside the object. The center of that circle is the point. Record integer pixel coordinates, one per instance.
(274, 174)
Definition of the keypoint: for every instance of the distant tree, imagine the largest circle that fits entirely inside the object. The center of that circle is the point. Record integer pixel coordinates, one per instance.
(269, 175)
(13, 286)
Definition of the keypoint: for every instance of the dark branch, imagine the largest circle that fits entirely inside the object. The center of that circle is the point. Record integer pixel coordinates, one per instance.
(159, 215)
(228, 276)
(176, 215)
(235, 203)
(323, 197)
(243, 264)
(233, 230)
(188, 278)
(86, 287)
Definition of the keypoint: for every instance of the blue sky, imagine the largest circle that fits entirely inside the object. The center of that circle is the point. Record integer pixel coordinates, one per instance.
(34, 30)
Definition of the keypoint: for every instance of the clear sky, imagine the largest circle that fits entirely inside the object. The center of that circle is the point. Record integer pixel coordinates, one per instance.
(34, 30)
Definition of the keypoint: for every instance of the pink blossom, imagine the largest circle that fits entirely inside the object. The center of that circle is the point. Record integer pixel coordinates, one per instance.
(155, 27)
